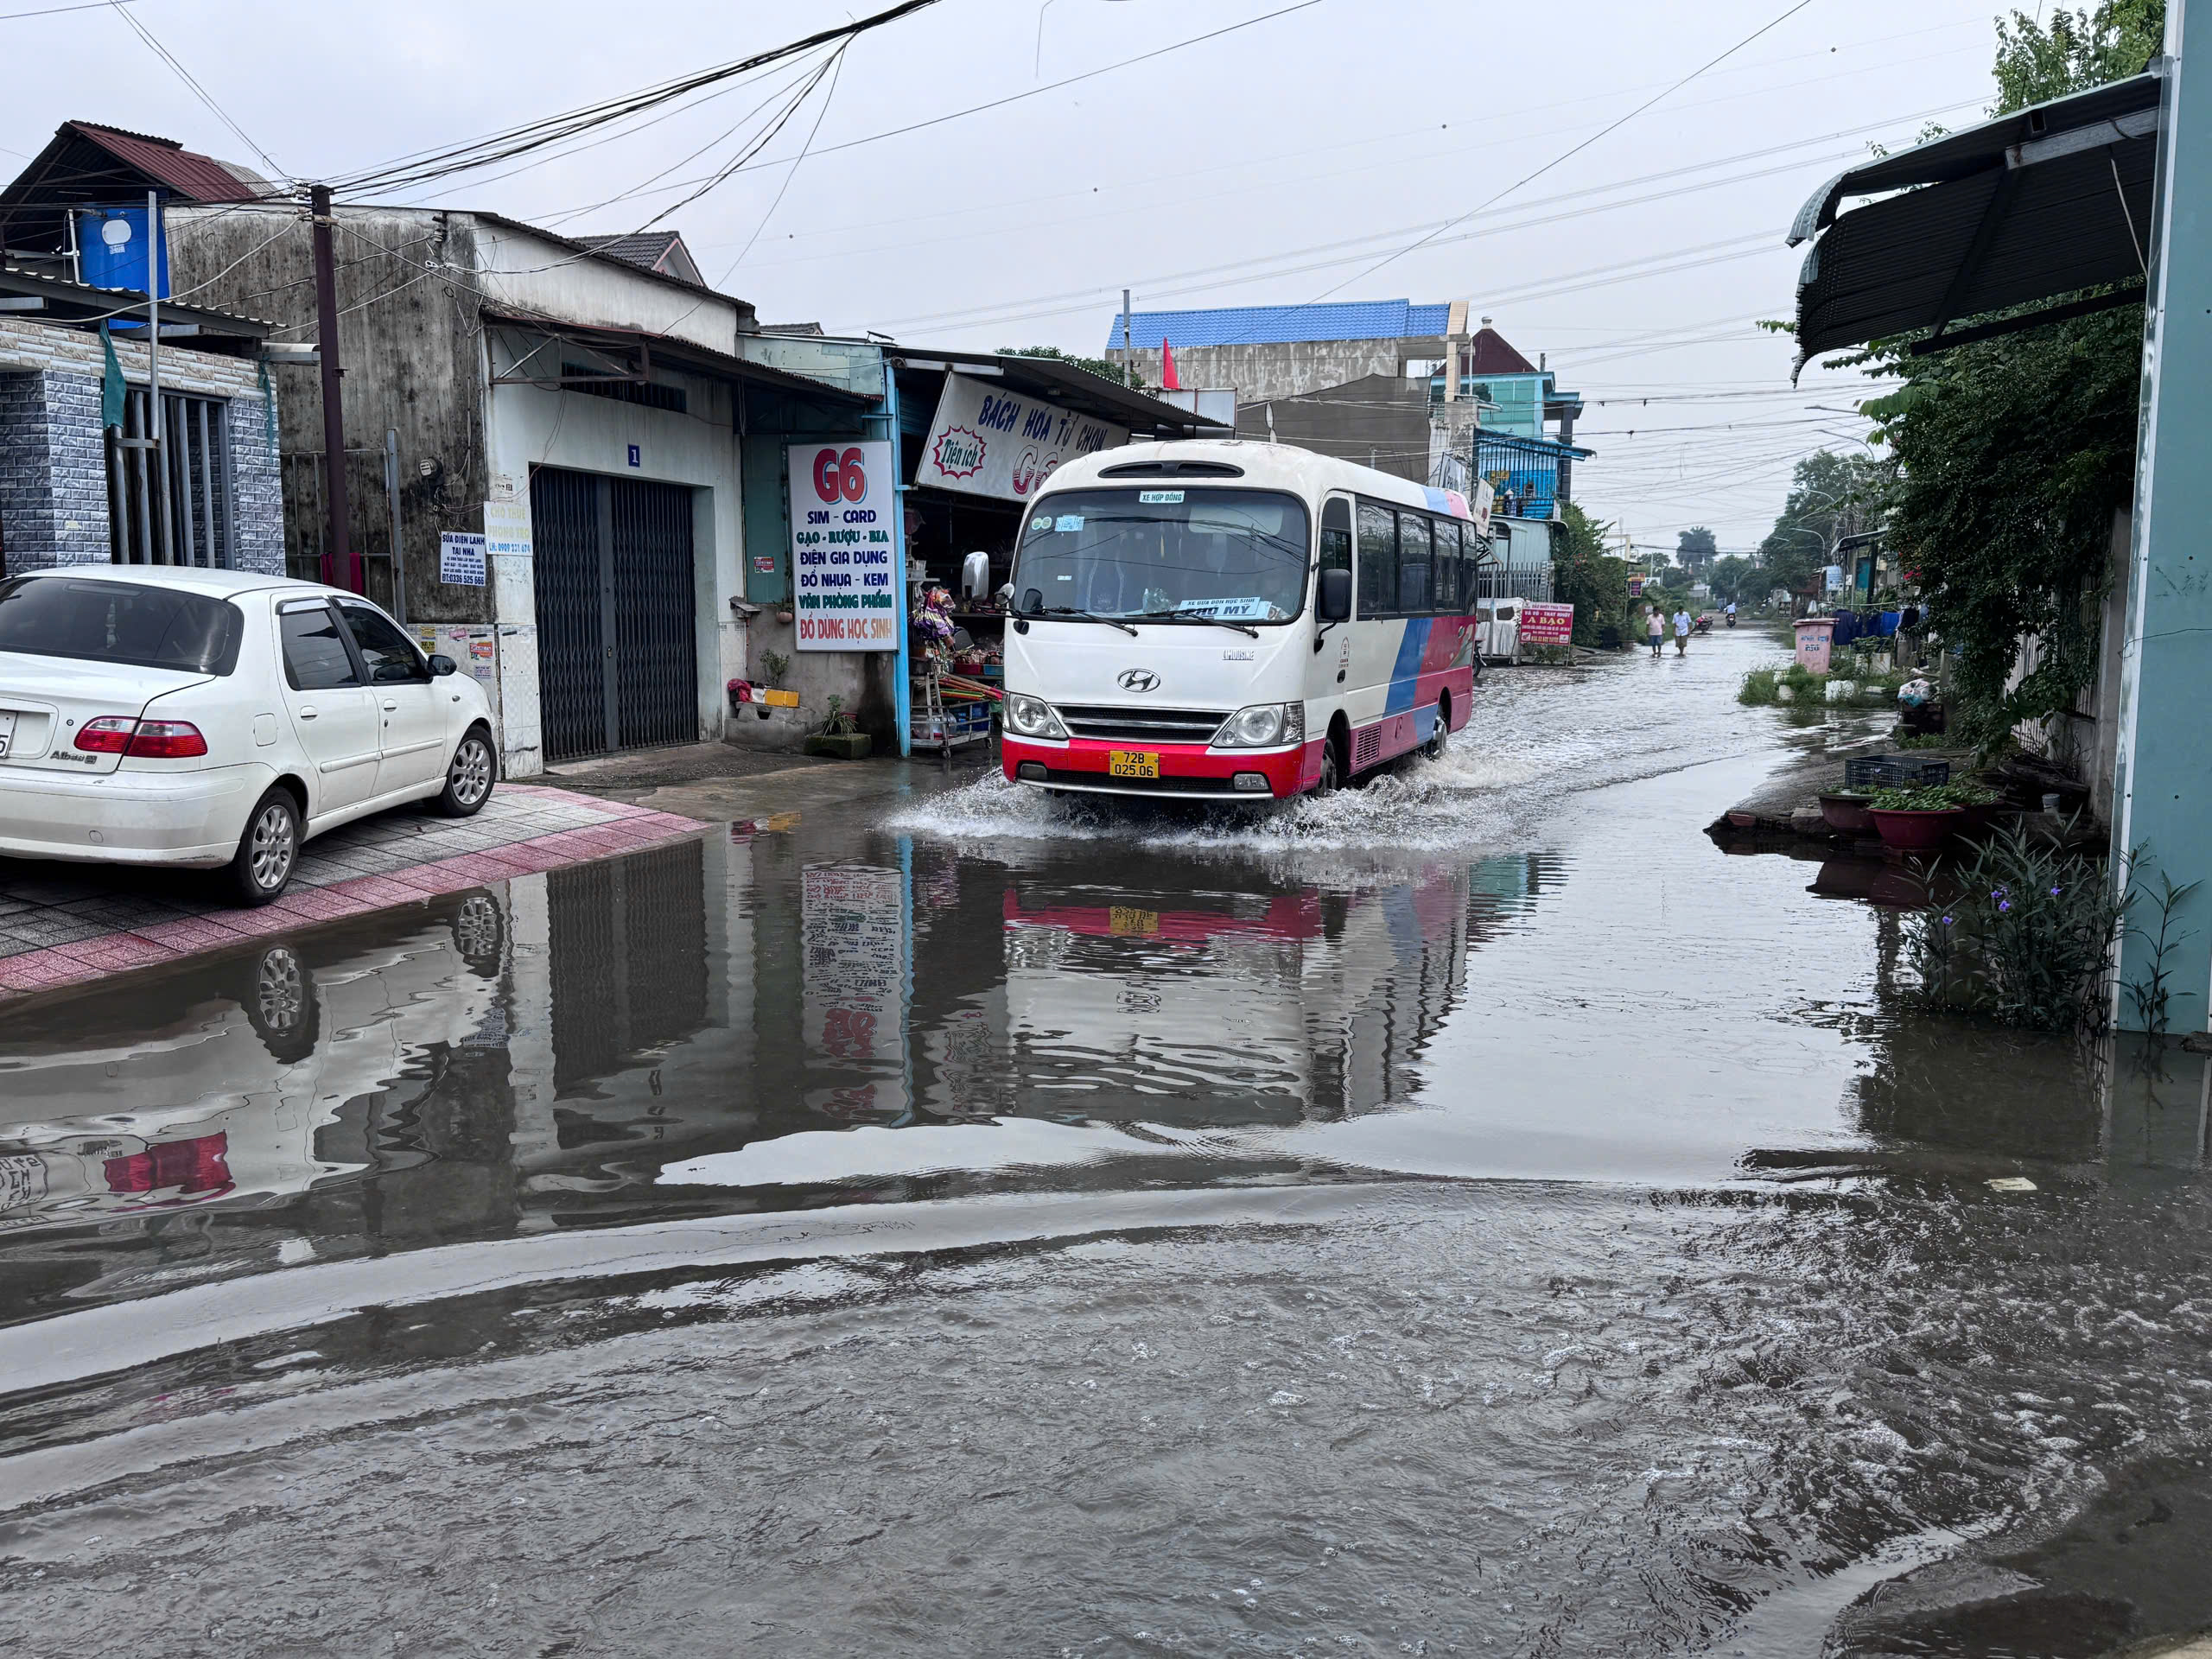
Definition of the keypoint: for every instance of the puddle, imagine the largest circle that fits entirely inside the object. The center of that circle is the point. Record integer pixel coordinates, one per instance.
(1464, 1210)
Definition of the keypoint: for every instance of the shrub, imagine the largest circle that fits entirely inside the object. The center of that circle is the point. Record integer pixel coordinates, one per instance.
(2027, 939)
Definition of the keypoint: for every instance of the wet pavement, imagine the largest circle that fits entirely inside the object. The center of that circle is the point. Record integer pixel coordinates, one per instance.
(1470, 1214)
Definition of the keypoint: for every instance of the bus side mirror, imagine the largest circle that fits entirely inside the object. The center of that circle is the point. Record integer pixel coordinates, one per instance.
(1333, 602)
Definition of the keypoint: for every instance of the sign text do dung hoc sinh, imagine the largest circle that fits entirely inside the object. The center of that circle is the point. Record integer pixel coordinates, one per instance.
(844, 558)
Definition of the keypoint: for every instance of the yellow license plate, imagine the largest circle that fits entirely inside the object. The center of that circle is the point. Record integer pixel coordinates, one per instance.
(1124, 922)
(1129, 763)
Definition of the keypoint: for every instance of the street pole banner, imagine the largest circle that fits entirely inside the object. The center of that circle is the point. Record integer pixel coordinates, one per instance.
(844, 567)
(1547, 624)
(986, 441)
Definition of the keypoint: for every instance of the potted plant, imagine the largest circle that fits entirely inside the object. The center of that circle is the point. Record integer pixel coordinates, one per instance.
(839, 737)
(1846, 812)
(1915, 820)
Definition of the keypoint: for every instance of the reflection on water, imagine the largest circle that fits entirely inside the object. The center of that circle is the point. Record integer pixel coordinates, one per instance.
(758, 1021)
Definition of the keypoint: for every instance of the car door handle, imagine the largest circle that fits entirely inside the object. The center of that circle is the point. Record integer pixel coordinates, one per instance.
(390, 708)
(306, 714)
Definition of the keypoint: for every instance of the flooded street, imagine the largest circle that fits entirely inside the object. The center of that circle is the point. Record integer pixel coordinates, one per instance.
(1467, 1214)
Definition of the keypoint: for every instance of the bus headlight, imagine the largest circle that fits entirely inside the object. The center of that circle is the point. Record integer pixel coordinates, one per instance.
(1262, 726)
(1032, 717)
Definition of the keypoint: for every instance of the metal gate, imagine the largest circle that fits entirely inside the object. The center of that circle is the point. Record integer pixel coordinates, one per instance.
(617, 612)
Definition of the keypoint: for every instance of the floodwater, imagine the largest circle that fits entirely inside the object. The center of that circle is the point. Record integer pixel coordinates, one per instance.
(1470, 1214)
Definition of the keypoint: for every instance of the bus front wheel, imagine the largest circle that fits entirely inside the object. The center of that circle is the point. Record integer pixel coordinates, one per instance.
(1333, 767)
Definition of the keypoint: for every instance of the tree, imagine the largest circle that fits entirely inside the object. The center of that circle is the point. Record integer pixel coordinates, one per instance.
(1695, 548)
(1733, 578)
(1098, 366)
(1831, 496)
(2015, 454)
(1587, 578)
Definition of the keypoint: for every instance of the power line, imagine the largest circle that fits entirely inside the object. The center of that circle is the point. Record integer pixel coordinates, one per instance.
(122, 10)
(1564, 156)
(1037, 91)
(426, 167)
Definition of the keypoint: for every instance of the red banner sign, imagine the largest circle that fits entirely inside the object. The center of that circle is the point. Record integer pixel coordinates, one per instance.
(1546, 625)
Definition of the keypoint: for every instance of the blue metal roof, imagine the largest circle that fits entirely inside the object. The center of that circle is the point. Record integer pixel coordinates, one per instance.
(1272, 325)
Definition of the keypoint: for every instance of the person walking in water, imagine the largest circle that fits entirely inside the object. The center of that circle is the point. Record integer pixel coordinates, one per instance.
(1655, 630)
(1681, 633)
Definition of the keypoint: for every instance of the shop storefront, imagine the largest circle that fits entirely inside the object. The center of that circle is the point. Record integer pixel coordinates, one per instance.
(979, 435)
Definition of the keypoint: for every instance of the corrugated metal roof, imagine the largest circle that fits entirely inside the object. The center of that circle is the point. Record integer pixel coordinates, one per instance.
(2036, 204)
(1274, 325)
(194, 177)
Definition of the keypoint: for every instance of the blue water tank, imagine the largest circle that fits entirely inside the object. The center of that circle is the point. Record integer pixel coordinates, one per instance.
(113, 250)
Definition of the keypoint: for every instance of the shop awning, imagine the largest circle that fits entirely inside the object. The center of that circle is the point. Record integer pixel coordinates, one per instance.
(1065, 384)
(2046, 202)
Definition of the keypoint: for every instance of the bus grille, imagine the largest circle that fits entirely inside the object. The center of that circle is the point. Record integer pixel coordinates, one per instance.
(1143, 725)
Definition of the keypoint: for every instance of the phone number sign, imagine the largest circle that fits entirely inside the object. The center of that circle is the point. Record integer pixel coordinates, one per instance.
(844, 558)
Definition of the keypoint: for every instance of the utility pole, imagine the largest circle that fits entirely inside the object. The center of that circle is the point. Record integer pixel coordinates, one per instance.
(339, 547)
(1129, 364)
(163, 553)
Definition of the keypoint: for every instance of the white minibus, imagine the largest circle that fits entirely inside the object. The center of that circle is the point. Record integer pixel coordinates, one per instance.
(1210, 619)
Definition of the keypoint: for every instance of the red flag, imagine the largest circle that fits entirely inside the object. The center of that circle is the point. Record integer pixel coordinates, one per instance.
(1168, 380)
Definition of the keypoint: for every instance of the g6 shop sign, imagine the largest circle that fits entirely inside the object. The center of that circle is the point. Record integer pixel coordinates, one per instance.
(845, 560)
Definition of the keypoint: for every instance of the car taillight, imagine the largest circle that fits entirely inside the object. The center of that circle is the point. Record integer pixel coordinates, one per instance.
(148, 739)
(193, 1166)
(167, 739)
(109, 736)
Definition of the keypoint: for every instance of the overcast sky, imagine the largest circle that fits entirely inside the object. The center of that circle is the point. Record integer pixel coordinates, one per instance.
(1283, 161)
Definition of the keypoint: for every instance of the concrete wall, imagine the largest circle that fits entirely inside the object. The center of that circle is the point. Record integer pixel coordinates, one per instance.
(1258, 373)
(1381, 421)
(53, 500)
(541, 426)
(407, 333)
(520, 270)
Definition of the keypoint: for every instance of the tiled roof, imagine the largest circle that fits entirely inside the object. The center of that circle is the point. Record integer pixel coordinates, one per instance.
(192, 177)
(646, 249)
(1272, 325)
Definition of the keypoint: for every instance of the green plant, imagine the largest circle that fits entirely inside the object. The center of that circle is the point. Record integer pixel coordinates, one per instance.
(1757, 689)
(775, 666)
(1934, 797)
(839, 723)
(2025, 939)
(1922, 740)
(2149, 994)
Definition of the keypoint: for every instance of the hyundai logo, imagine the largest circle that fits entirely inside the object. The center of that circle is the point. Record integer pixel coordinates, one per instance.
(1138, 679)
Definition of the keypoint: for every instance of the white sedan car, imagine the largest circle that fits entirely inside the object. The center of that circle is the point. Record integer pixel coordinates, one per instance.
(213, 720)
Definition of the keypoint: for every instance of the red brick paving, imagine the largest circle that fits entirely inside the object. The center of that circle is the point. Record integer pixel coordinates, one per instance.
(625, 829)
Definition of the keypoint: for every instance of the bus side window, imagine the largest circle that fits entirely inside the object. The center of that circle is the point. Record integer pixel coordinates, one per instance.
(1416, 563)
(1336, 534)
(1447, 566)
(1378, 561)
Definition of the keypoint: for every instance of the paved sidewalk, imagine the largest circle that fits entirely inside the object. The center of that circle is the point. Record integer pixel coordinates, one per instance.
(60, 924)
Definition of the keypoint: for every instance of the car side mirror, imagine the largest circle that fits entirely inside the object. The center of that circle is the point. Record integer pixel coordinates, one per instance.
(1333, 602)
(441, 666)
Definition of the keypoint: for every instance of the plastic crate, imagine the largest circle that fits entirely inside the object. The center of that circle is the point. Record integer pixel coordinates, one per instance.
(1895, 772)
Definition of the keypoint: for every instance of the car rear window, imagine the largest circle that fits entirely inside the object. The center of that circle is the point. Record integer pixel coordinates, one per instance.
(119, 622)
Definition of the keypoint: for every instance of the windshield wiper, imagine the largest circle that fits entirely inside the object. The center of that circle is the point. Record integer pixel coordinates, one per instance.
(1200, 616)
(1087, 616)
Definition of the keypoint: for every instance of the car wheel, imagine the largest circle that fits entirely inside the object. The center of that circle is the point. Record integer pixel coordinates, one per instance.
(1332, 776)
(280, 1005)
(470, 776)
(1441, 740)
(269, 851)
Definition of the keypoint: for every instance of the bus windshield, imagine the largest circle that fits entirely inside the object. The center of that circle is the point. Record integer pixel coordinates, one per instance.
(1164, 555)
